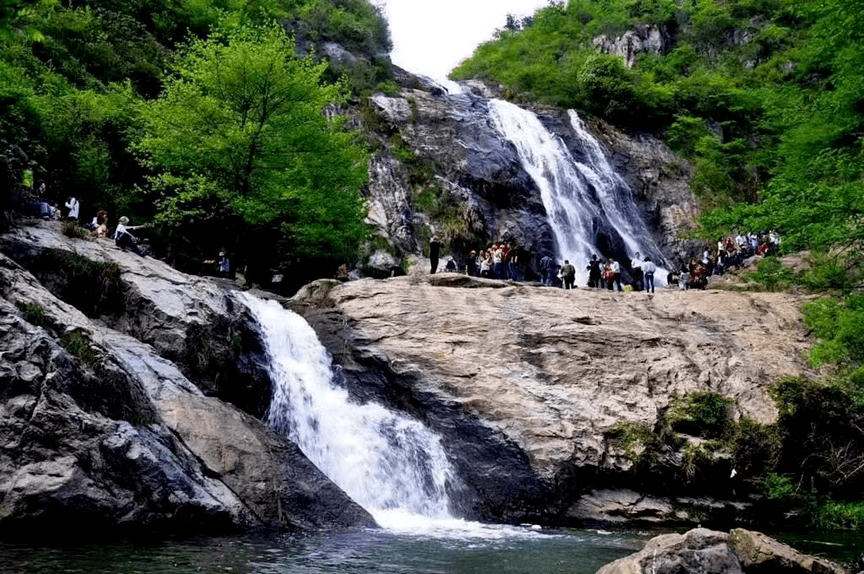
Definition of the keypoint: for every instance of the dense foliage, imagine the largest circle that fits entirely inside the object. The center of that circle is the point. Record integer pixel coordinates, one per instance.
(112, 102)
(242, 151)
(763, 96)
(766, 100)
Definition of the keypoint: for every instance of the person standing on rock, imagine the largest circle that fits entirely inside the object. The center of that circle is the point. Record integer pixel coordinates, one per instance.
(684, 279)
(636, 265)
(615, 268)
(471, 264)
(594, 272)
(568, 274)
(547, 267)
(434, 253)
(648, 270)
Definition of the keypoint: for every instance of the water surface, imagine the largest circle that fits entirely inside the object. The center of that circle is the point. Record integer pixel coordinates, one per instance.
(498, 550)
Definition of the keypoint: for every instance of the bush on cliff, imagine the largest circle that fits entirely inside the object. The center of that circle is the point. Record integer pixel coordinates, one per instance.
(810, 463)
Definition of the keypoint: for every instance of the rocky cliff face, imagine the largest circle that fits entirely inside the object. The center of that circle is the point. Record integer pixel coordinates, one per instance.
(100, 427)
(525, 383)
(447, 143)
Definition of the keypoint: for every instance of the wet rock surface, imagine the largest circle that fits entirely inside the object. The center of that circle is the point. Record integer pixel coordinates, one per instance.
(526, 382)
(102, 431)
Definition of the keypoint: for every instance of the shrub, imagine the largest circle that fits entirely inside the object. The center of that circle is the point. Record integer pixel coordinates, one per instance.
(839, 329)
(72, 229)
(771, 275)
(776, 487)
(700, 413)
(756, 448)
(832, 515)
(34, 313)
(79, 346)
(91, 286)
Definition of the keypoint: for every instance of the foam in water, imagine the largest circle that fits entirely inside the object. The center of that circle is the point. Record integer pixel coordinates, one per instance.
(580, 197)
(391, 465)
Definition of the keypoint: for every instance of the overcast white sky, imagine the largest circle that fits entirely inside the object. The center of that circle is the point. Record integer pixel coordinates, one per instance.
(431, 37)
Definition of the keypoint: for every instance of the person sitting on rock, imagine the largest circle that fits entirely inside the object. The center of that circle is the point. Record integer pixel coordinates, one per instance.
(74, 208)
(124, 239)
(100, 224)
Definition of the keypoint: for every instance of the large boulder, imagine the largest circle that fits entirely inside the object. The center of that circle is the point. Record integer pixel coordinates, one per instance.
(192, 321)
(526, 383)
(711, 552)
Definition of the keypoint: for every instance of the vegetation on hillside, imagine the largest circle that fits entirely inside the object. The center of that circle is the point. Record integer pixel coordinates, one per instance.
(125, 106)
(766, 99)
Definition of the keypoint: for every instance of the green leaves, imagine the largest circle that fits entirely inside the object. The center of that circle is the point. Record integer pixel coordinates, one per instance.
(240, 136)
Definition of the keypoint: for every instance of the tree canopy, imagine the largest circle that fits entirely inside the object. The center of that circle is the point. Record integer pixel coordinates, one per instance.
(102, 100)
(239, 140)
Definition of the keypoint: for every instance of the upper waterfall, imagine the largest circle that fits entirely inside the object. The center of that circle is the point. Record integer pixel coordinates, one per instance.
(590, 207)
(391, 465)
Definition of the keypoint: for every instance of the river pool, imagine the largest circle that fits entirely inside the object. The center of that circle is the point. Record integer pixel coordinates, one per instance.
(470, 549)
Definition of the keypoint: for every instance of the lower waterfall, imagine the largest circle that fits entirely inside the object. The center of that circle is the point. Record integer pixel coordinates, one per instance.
(391, 465)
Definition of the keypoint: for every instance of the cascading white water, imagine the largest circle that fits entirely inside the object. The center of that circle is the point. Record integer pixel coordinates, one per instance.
(391, 465)
(580, 198)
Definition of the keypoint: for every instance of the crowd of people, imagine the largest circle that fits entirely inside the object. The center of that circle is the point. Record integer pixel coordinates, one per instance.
(730, 252)
(98, 226)
(500, 260)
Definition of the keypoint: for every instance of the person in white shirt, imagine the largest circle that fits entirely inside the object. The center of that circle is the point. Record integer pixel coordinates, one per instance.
(636, 265)
(648, 270)
(616, 275)
(74, 207)
(123, 238)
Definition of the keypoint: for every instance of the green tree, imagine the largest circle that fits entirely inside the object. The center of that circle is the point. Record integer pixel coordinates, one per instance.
(246, 156)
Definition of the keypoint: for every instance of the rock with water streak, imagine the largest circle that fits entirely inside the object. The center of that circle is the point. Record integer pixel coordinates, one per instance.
(100, 431)
(474, 167)
(526, 383)
(191, 321)
(711, 552)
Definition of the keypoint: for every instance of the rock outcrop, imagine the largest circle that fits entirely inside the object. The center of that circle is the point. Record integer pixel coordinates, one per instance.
(711, 552)
(645, 39)
(525, 383)
(433, 142)
(473, 166)
(100, 429)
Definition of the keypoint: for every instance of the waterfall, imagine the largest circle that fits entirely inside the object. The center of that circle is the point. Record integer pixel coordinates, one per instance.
(391, 465)
(590, 207)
